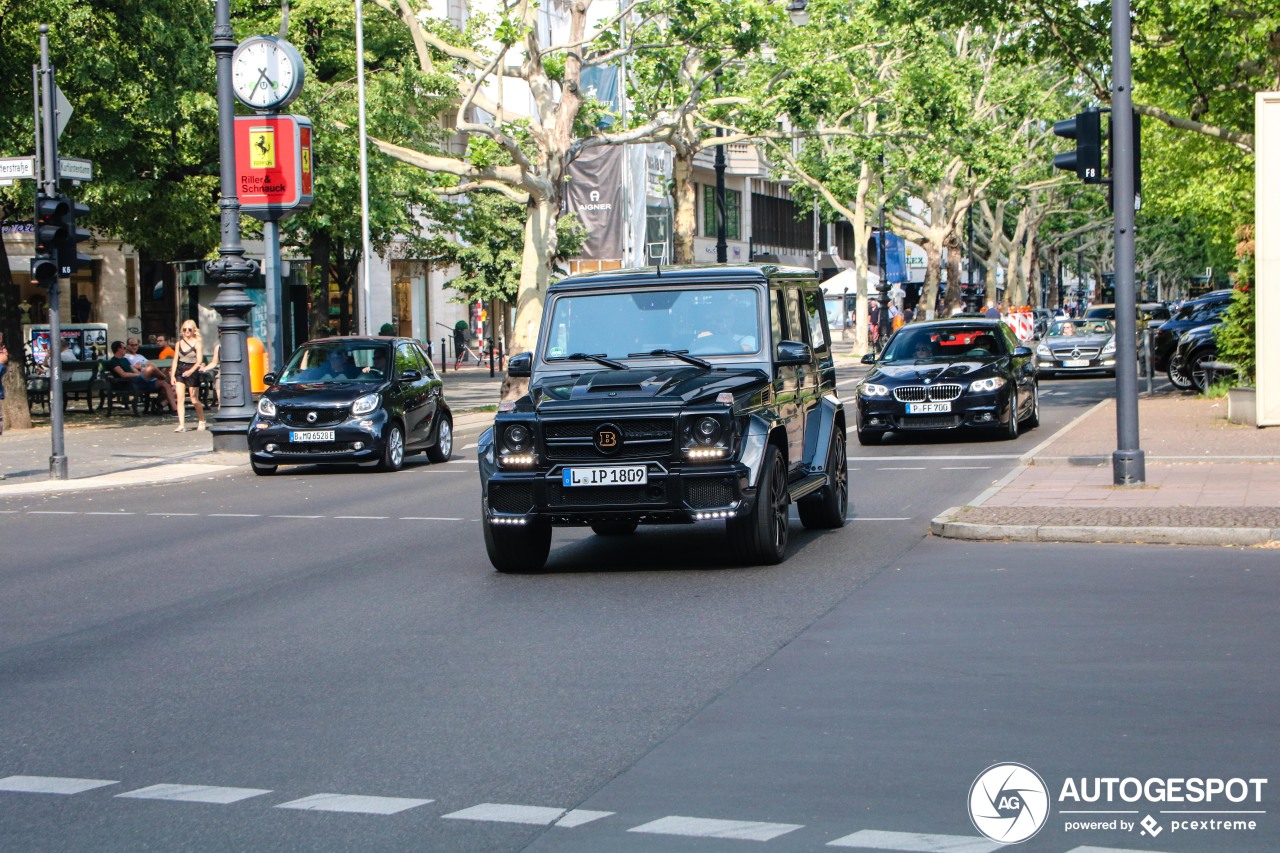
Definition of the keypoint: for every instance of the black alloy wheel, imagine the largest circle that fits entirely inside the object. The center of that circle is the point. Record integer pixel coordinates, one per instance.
(827, 509)
(614, 526)
(516, 549)
(1011, 431)
(1033, 419)
(443, 448)
(759, 538)
(392, 449)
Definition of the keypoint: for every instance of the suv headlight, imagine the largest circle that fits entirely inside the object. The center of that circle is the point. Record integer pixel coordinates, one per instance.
(266, 407)
(365, 404)
(515, 445)
(707, 437)
(992, 383)
(517, 438)
(870, 389)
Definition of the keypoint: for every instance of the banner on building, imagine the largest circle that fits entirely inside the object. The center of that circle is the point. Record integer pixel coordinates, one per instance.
(594, 192)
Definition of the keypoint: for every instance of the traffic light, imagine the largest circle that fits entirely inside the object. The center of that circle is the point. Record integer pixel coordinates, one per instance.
(51, 233)
(69, 258)
(1086, 160)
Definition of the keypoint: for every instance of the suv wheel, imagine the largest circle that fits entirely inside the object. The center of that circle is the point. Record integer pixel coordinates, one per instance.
(1197, 371)
(614, 526)
(827, 509)
(759, 538)
(517, 548)
(443, 448)
(1178, 375)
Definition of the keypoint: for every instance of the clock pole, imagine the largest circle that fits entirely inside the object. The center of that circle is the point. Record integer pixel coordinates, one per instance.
(231, 271)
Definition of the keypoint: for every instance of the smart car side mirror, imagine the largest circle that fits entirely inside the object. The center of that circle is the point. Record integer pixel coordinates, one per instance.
(520, 365)
(793, 353)
(869, 358)
(411, 375)
(269, 379)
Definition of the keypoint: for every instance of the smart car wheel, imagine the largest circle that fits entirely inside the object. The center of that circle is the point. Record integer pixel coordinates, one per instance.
(261, 468)
(827, 509)
(517, 548)
(443, 448)
(392, 449)
(759, 538)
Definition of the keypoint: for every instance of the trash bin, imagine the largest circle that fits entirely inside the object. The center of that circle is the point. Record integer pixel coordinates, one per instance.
(257, 365)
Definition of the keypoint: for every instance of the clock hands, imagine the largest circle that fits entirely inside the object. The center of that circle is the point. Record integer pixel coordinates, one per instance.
(271, 84)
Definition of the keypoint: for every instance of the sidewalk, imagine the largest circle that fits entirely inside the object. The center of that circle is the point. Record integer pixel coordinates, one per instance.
(121, 451)
(1208, 482)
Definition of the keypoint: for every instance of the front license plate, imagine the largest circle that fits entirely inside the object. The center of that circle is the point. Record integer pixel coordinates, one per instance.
(611, 475)
(927, 408)
(312, 435)
(1075, 362)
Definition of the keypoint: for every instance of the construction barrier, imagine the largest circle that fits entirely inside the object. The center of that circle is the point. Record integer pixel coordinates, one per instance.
(1023, 323)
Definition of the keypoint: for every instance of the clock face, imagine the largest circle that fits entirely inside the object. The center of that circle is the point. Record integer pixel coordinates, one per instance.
(266, 73)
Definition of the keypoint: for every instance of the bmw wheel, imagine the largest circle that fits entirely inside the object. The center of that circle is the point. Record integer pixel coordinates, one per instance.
(1011, 431)
(1033, 420)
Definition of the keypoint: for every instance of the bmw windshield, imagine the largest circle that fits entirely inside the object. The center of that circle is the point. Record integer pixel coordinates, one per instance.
(935, 344)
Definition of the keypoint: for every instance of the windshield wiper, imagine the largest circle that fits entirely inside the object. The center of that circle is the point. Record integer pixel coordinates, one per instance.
(597, 358)
(682, 354)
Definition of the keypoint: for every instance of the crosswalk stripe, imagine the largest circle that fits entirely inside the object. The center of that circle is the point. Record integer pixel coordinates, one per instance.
(51, 784)
(353, 803)
(1088, 849)
(505, 813)
(578, 817)
(915, 842)
(699, 827)
(195, 793)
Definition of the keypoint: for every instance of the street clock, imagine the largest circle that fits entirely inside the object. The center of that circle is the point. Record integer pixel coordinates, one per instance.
(266, 73)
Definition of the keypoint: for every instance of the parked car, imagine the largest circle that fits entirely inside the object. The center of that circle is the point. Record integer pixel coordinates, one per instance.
(1202, 311)
(1078, 346)
(669, 396)
(1196, 348)
(949, 374)
(1149, 313)
(352, 399)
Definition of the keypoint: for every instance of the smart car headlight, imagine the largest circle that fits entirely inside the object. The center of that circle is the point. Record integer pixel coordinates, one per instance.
(870, 389)
(366, 404)
(267, 407)
(991, 383)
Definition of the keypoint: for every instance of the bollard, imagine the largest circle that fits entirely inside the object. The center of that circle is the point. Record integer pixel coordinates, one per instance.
(1147, 359)
(444, 355)
(492, 349)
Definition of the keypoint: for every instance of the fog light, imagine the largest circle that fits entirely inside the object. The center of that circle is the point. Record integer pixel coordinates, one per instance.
(359, 445)
(270, 448)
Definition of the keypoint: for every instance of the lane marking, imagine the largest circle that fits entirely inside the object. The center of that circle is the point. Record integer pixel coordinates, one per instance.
(966, 467)
(700, 827)
(363, 517)
(428, 518)
(52, 784)
(353, 803)
(973, 457)
(878, 518)
(168, 514)
(915, 842)
(109, 513)
(1091, 849)
(51, 512)
(579, 817)
(469, 446)
(235, 515)
(903, 468)
(195, 793)
(295, 516)
(505, 813)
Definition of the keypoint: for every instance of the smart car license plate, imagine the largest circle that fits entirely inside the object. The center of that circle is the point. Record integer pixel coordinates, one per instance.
(927, 408)
(611, 475)
(1075, 362)
(312, 435)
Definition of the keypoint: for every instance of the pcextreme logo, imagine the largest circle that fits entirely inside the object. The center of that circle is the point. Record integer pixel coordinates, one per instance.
(1008, 803)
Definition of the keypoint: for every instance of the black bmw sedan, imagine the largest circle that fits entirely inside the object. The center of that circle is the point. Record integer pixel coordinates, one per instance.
(352, 399)
(949, 374)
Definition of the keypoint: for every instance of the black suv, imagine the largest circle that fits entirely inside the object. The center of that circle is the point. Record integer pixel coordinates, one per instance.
(669, 396)
(1202, 311)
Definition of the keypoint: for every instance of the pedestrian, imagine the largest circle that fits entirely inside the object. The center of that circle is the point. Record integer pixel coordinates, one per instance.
(992, 312)
(185, 374)
(166, 351)
(81, 309)
(139, 365)
(873, 321)
(4, 368)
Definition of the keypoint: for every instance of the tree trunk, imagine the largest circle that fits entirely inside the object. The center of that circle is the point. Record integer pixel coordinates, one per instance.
(320, 290)
(685, 196)
(862, 337)
(535, 273)
(17, 413)
(953, 299)
(932, 275)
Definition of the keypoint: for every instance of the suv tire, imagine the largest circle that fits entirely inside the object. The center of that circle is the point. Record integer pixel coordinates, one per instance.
(1178, 374)
(827, 509)
(759, 538)
(517, 548)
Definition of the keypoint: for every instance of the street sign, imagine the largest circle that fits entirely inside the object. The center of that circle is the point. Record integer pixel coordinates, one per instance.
(273, 165)
(12, 168)
(62, 108)
(74, 169)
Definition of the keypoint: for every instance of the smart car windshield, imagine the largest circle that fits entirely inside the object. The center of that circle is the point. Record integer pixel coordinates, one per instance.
(655, 323)
(337, 361)
(953, 342)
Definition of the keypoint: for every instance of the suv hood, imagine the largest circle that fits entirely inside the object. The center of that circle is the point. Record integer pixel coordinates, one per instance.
(644, 385)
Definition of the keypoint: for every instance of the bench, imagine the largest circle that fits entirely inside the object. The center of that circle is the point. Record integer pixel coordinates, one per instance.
(81, 381)
(115, 391)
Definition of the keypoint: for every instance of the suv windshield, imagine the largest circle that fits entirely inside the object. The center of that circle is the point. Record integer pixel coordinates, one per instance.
(337, 361)
(695, 321)
(941, 344)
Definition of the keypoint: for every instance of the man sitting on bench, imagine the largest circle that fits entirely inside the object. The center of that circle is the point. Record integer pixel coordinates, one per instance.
(121, 369)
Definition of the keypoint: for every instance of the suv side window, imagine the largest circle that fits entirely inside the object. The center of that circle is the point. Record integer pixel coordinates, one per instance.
(817, 320)
(797, 327)
(776, 311)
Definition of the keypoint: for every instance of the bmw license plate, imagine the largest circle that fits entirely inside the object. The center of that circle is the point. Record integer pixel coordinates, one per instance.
(927, 408)
(607, 475)
(1075, 362)
(312, 435)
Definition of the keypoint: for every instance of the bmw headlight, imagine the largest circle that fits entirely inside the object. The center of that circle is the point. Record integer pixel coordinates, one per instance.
(992, 383)
(1110, 347)
(870, 389)
(266, 407)
(366, 404)
(1043, 351)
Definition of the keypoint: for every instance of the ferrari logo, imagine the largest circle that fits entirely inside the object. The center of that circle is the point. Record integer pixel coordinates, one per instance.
(262, 148)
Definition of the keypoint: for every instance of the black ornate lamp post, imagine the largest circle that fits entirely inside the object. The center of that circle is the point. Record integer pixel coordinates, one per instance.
(722, 242)
(883, 284)
(231, 271)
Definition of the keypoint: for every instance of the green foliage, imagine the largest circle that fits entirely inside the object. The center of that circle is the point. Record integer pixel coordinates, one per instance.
(1237, 335)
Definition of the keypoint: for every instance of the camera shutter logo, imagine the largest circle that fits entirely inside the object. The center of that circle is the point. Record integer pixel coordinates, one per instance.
(1008, 803)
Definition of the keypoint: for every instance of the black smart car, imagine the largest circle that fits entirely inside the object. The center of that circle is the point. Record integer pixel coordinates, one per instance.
(670, 396)
(949, 374)
(350, 400)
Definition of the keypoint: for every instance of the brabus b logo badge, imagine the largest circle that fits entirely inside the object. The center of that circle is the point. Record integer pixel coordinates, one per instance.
(608, 438)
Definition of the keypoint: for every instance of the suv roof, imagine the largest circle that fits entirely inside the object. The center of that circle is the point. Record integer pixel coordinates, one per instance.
(684, 274)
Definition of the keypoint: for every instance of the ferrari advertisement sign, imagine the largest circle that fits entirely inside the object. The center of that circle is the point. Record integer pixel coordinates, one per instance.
(273, 165)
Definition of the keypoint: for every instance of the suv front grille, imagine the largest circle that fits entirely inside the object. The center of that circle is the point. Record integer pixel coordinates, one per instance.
(324, 417)
(922, 393)
(642, 438)
(558, 495)
(511, 497)
(708, 492)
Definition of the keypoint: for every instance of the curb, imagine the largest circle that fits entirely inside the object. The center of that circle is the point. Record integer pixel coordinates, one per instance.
(945, 526)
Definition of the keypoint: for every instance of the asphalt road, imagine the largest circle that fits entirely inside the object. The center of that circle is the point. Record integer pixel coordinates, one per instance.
(326, 661)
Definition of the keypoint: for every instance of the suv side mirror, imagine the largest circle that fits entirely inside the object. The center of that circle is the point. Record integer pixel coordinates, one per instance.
(793, 353)
(869, 358)
(269, 379)
(520, 365)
